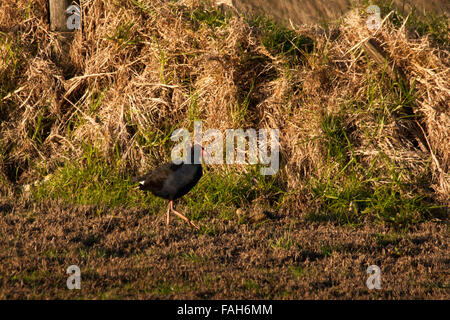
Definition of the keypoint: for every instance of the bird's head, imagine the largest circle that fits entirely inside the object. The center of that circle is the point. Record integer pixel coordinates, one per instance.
(198, 151)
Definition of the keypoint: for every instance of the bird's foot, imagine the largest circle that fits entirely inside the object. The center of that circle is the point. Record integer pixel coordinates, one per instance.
(182, 216)
(194, 225)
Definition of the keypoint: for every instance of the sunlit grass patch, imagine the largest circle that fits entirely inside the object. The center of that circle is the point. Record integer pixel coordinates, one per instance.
(281, 40)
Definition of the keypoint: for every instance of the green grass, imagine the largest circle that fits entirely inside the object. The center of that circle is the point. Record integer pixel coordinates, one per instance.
(326, 250)
(439, 284)
(31, 278)
(423, 23)
(144, 8)
(11, 62)
(299, 271)
(39, 131)
(239, 110)
(165, 288)
(94, 181)
(348, 190)
(124, 35)
(356, 192)
(194, 258)
(336, 140)
(213, 18)
(280, 40)
(222, 192)
(283, 242)
(210, 230)
(387, 239)
(251, 285)
(348, 196)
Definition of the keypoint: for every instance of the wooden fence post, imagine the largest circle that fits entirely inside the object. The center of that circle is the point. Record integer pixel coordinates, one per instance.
(58, 17)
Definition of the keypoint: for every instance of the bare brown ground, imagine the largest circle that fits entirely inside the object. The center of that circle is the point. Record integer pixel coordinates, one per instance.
(132, 254)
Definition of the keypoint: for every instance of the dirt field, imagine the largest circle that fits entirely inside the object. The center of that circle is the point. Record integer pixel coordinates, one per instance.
(132, 254)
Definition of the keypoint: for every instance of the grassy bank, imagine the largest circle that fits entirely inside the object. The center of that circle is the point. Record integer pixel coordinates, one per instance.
(355, 143)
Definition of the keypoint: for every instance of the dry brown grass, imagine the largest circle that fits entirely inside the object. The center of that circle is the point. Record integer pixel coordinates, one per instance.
(427, 70)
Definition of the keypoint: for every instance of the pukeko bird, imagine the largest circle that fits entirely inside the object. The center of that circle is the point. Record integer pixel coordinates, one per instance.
(172, 181)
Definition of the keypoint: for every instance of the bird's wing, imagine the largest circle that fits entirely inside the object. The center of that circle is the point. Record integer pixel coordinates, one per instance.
(156, 178)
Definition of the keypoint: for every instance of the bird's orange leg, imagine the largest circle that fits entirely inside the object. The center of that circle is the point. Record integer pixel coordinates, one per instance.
(168, 213)
(183, 216)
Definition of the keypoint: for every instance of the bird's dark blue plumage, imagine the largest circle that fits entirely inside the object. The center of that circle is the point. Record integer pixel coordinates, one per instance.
(172, 181)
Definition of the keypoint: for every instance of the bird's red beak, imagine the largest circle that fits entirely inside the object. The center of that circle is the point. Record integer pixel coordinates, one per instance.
(204, 153)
